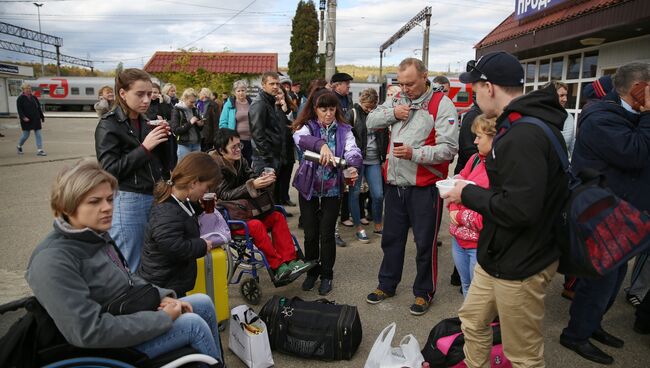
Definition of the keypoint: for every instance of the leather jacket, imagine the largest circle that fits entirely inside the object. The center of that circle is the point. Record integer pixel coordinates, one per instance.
(268, 128)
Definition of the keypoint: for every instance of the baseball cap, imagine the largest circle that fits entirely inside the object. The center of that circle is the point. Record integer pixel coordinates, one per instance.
(500, 68)
(285, 79)
(341, 77)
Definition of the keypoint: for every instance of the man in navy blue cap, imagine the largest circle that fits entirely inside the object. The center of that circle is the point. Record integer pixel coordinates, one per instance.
(517, 251)
(340, 83)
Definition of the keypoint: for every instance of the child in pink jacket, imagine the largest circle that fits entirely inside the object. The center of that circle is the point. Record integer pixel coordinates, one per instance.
(465, 224)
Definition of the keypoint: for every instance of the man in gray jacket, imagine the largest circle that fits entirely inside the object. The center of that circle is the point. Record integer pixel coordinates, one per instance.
(424, 139)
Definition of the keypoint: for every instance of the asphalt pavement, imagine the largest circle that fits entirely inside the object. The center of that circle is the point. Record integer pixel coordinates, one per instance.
(25, 218)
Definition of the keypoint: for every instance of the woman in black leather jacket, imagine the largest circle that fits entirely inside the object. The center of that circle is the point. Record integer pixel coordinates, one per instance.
(137, 155)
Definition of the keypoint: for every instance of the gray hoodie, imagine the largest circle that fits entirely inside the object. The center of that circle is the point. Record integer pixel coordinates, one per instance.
(72, 276)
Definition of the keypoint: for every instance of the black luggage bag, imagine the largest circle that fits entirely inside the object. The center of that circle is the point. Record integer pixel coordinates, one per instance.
(316, 329)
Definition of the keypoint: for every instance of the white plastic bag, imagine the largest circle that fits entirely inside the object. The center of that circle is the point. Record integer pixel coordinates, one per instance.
(383, 355)
(249, 338)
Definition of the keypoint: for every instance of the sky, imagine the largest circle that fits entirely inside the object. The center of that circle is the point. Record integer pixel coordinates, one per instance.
(110, 31)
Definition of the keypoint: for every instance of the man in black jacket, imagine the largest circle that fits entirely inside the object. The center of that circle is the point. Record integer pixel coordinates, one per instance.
(615, 140)
(268, 126)
(517, 253)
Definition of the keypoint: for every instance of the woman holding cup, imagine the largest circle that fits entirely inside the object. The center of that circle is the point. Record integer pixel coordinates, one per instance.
(137, 155)
(321, 127)
(187, 124)
(172, 240)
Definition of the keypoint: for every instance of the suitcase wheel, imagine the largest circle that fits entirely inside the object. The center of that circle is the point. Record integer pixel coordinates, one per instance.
(251, 291)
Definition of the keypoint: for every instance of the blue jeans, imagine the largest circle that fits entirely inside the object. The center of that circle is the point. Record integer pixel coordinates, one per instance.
(372, 173)
(37, 135)
(198, 330)
(465, 260)
(130, 216)
(184, 149)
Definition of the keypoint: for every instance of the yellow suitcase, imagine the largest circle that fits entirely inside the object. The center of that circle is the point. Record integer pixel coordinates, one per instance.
(212, 280)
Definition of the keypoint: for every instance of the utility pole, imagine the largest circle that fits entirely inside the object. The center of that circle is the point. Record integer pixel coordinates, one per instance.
(425, 42)
(330, 55)
(38, 7)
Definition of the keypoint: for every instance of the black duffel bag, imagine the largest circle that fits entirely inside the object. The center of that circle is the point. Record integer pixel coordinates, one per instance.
(318, 329)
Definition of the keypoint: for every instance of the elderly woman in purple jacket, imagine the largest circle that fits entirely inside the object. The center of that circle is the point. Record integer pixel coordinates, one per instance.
(321, 128)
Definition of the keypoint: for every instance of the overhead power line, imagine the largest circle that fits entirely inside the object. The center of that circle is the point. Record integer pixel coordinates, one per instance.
(220, 25)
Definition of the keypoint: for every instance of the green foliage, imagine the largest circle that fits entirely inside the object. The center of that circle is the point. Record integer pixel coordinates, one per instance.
(119, 68)
(303, 58)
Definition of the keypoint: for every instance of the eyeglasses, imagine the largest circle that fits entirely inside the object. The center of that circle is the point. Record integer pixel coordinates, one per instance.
(237, 147)
(471, 65)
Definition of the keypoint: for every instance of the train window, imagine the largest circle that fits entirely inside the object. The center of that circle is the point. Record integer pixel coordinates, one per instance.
(45, 91)
(14, 87)
(59, 90)
(74, 90)
(462, 96)
(90, 91)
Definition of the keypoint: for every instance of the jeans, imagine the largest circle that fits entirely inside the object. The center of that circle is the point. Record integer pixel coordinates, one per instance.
(319, 222)
(372, 173)
(184, 149)
(130, 216)
(37, 135)
(198, 330)
(465, 260)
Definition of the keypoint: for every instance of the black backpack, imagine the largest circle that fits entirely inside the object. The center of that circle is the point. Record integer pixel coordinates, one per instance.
(597, 230)
(318, 329)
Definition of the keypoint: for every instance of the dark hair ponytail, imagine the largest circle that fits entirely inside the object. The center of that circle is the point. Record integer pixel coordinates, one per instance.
(194, 166)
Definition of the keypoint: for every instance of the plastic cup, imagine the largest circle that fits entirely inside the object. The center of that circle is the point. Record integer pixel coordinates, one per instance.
(209, 201)
(347, 175)
(268, 171)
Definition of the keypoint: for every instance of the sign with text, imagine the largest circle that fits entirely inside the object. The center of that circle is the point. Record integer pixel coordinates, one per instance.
(528, 8)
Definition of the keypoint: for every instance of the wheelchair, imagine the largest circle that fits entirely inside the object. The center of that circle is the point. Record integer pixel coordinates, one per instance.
(35, 341)
(245, 259)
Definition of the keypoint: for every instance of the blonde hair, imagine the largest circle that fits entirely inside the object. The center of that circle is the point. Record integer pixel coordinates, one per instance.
(205, 92)
(189, 92)
(104, 88)
(195, 166)
(167, 87)
(72, 184)
(25, 85)
(483, 124)
(369, 95)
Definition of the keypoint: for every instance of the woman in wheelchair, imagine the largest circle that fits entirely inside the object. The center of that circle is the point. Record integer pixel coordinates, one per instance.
(172, 239)
(240, 182)
(79, 276)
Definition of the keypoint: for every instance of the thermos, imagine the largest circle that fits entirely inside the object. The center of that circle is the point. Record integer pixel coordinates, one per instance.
(315, 157)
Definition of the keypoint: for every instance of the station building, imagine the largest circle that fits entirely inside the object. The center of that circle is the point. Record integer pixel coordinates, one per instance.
(573, 41)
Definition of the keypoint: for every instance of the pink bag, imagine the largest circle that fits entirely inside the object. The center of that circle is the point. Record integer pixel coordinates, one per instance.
(497, 357)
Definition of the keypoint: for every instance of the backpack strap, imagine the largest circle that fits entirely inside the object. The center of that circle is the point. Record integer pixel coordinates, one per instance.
(434, 103)
(557, 146)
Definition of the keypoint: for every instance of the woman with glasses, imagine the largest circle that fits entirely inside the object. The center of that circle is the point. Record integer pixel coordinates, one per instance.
(240, 182)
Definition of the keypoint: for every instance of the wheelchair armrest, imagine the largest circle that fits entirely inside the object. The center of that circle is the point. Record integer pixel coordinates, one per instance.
(239, 224)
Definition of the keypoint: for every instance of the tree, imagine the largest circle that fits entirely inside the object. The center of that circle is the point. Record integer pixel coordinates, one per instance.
(120, 68)
(303, 59)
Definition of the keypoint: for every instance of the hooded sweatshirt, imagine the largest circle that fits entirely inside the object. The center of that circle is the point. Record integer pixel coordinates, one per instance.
(528, 189)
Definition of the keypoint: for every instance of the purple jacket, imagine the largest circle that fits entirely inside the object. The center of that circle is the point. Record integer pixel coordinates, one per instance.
(308, 138)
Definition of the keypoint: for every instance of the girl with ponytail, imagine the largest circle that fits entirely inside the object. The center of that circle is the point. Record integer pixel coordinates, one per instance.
(172, 239)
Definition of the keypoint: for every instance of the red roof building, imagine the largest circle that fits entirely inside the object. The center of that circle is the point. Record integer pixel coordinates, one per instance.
(574, 41)
(214, 62)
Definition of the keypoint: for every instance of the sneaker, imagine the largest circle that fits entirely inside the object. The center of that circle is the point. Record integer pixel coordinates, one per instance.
(378, 296)
(339, 241)
(420, 306)
(364, 221)
(634, 300)
(378, 232)
(309, 283)
(40, 153)
(282, 272)
(347, 223)
(325, 287)
(362, 237)
(19, 150)
(298, 266)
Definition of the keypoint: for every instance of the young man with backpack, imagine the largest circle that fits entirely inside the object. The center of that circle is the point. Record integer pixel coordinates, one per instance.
(615, 140)
(517, 253)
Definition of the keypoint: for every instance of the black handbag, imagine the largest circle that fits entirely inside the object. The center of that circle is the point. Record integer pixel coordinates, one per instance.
(312, 329)
(137, 299)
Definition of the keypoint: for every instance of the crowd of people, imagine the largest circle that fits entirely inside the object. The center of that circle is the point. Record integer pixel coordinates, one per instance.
(132, 219)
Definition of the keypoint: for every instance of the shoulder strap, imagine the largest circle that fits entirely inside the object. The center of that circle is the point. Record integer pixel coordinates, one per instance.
(477, 160)
(434, 103)
(557, 146)
(354, 116)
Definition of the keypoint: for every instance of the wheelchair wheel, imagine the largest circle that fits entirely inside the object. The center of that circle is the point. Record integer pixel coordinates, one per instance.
(251, 291)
